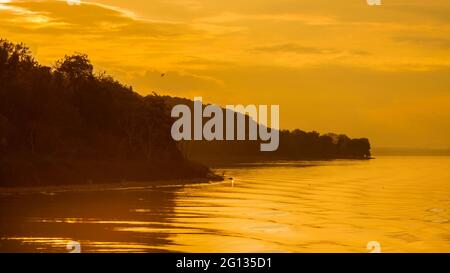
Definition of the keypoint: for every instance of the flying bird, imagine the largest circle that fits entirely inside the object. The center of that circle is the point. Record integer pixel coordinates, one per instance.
(163, 74)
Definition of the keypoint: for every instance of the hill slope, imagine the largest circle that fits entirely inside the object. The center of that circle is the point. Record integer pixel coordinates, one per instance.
(67, 125)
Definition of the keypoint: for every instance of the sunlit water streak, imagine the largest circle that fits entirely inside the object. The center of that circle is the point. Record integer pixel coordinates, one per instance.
(330, 206)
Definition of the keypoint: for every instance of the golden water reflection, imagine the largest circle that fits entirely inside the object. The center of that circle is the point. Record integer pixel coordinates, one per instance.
(332, 206)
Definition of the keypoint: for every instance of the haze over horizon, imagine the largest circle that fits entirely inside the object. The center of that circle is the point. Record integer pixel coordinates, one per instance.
(341, 66)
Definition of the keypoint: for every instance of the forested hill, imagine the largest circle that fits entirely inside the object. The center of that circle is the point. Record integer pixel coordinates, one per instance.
(293, 145)
(67, 125)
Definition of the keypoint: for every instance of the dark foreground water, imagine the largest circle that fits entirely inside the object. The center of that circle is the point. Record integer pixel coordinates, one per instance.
(402, 203)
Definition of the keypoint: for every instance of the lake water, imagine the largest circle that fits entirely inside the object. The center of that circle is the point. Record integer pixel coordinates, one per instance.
(327, 206)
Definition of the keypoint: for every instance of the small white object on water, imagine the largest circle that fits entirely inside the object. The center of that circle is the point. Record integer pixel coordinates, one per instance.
(74, 2)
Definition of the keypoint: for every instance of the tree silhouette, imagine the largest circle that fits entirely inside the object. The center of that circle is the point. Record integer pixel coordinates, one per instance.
(295, 144)
(75, 67)
(66, 124)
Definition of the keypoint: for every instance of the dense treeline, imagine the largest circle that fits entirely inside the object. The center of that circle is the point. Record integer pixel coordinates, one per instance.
(312, 144)
(65, 124)
(295, 144)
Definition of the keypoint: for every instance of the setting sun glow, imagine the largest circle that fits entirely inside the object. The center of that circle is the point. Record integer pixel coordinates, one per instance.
(371, 70)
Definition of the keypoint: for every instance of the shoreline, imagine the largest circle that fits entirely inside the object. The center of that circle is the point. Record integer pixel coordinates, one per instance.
(235, 161)
(213, 177)
(113, 186)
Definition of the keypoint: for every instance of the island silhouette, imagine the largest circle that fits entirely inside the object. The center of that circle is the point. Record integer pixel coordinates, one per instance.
(68, 125)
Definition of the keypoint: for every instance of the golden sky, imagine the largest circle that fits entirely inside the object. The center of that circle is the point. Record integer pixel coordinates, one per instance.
(334, 66)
